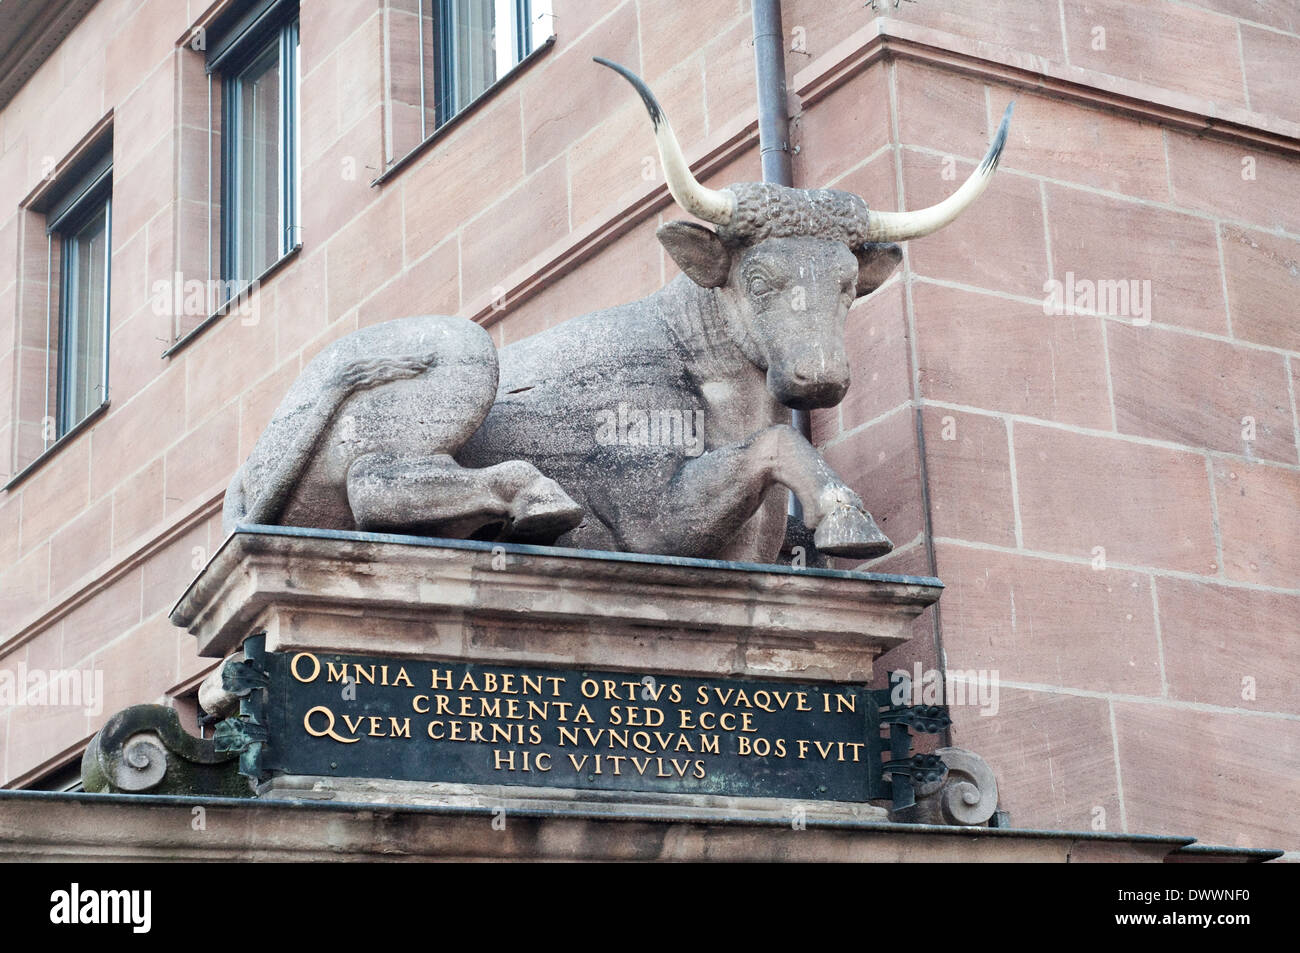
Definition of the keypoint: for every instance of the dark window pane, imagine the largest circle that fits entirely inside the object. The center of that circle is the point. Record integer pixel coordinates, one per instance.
(83, 298)
(476, 43)
(475, 54)
(258, 158)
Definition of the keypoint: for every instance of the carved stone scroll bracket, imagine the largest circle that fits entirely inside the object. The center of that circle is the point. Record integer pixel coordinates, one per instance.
(967, 796)
(144, 750)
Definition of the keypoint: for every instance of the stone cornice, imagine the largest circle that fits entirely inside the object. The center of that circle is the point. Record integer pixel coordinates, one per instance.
(888, 39)
(29, 34)
(315, 590)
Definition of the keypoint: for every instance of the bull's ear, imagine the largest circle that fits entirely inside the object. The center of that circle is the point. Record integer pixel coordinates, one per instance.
(698, 251)
(876, 262)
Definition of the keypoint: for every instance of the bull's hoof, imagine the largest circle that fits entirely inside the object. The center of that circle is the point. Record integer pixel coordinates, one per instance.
(542, 512)
(850, 532)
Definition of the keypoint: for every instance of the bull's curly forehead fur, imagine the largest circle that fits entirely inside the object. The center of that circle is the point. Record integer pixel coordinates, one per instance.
(765, 210)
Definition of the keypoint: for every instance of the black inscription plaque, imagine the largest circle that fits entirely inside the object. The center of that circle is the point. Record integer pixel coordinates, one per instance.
(428, 720)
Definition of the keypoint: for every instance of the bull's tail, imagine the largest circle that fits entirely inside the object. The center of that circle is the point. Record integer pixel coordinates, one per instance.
(359, 374)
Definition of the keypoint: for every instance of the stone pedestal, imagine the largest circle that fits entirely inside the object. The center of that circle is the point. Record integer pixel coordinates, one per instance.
(409, 598)
(377, 594)
(296, 601)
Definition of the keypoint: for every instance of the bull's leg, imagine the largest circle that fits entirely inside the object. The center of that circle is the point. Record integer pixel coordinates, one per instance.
(719, 490)
(437, 496)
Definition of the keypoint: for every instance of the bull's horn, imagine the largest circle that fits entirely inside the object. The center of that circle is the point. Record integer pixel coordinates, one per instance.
(901, 226)
(711, 205)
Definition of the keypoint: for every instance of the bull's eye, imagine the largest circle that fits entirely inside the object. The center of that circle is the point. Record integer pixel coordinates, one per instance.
(760, 286)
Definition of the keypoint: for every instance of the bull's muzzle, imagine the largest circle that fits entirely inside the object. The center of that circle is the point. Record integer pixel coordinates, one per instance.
(802, 389)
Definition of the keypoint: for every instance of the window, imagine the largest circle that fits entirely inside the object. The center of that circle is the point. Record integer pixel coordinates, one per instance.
(256, 56)
(79, 224)
(476, 42)
(63, 233)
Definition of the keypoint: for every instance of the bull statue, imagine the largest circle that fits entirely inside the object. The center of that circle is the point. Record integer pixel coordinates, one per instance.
(658, 426)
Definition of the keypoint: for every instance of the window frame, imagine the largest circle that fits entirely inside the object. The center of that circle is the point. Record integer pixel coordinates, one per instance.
(79, 186)
(71, 325)
(264, 25)
(75, 207)
(445, 66)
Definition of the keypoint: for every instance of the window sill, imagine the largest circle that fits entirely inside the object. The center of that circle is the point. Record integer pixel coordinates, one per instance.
(448, 126)
(55, 447)
(184, 341)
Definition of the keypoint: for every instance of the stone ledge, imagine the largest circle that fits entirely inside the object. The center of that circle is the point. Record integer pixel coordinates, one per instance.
(386, 793)
(323, 590)
(46, 826)
(885, 38)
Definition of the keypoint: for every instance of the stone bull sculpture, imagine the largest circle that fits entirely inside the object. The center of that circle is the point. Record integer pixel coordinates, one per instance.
(657, 426)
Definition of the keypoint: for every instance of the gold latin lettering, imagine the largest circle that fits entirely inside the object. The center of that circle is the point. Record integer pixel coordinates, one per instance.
(328, 731)
(293, 667)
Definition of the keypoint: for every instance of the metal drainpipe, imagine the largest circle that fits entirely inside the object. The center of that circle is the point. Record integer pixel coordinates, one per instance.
(774, 136)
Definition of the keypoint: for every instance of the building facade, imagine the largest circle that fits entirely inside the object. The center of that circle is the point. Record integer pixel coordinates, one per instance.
(1077, 405)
